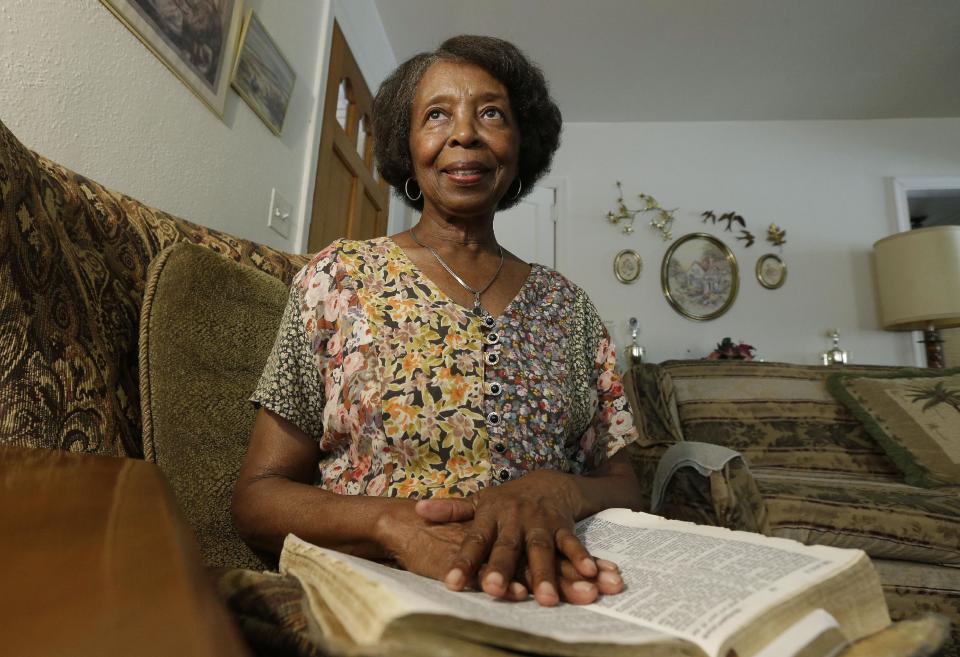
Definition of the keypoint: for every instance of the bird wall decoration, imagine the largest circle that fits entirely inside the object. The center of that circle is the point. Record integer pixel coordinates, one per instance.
(730, 217)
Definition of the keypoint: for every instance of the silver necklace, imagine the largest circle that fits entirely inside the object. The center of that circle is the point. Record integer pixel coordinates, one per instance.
(477, 309)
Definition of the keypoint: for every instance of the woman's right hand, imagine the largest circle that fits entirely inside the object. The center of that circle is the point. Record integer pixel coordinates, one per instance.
(427, 548)
(430, 549)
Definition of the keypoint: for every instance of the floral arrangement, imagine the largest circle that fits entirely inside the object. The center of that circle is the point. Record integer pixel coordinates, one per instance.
(728, 350)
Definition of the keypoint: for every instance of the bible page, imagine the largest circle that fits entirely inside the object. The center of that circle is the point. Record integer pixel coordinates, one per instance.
(701, 583)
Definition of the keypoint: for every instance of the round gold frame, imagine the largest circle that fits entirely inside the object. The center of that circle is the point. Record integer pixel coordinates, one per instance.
(618, 263)
(771, 285)
(734, 277)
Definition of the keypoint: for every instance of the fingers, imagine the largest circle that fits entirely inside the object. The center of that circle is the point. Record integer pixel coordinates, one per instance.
(517, 592)
(570, 546)
(474, 548)
(607, 582)
(578, 591)
(502, 562)
(449, 510)
(541, 562)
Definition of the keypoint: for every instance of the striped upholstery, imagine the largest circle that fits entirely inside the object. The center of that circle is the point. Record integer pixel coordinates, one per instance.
(912, 588)
(820, 477)
(777, 415)
(886, 519)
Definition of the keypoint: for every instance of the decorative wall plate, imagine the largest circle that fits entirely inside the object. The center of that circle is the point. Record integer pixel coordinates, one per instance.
(700, 276)
(627, 266)
(771, 271)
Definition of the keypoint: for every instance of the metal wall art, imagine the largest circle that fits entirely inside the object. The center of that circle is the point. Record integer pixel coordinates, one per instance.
(731, 218)
(700, 276)
(771, 271)
(662, 219)
(627, 266)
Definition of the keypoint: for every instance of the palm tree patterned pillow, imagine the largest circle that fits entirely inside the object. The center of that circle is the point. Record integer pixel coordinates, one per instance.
(915, 417)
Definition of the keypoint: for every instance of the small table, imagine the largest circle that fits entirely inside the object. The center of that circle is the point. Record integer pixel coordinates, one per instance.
(96, 560)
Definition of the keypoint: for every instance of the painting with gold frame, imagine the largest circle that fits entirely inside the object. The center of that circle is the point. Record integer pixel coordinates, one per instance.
(771, 271)
(195, 40)
(262, 75)
(700, 276)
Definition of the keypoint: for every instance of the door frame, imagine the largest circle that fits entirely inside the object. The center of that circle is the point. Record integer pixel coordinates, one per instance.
(900, 189)
(559, 187)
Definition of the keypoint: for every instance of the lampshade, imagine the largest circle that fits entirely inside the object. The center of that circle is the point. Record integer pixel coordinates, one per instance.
(918, 278)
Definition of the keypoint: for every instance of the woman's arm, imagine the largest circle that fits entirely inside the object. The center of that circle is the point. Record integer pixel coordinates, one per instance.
(275, 496)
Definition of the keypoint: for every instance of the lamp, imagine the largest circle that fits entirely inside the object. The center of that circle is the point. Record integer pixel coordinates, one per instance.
(918, 279)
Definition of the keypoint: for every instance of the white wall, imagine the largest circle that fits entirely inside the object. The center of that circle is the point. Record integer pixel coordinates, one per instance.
(825, 182)
(78, 87)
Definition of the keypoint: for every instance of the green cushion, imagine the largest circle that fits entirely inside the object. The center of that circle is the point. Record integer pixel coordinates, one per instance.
(914, 415)
(206, 328)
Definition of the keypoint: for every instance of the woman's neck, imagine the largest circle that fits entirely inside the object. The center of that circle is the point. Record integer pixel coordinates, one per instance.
(474, 234)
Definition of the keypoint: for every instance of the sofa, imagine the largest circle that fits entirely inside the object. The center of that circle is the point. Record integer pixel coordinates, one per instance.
(128, 332)
(806, 468)
(75, 267)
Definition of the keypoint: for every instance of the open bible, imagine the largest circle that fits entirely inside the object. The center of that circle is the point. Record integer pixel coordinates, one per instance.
(690, 590)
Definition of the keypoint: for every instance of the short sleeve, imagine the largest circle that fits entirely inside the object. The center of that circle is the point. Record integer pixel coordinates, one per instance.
(291, 384)
(611, 428)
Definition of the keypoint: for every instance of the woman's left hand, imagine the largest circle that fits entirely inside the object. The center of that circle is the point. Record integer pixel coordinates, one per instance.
(530, 520)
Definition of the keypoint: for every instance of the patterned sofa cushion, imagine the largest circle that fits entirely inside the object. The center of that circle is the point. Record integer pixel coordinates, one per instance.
(777, 415)
(914, 415)
(73, 261)
(887, 520)
(206, 329)
(653, 400)
(916, 588)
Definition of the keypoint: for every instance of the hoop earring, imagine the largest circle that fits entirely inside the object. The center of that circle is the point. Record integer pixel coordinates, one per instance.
(406, 190)
(519, 189)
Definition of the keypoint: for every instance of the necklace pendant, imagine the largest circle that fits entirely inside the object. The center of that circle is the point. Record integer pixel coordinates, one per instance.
(477, 308)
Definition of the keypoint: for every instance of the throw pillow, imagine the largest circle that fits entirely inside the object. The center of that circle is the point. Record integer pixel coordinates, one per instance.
(914, 416)
(206, 328)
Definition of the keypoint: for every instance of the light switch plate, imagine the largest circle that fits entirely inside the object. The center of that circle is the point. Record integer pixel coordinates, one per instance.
(281, 214)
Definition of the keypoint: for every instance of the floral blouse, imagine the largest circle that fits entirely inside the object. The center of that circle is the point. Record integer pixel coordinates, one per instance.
(410, 394)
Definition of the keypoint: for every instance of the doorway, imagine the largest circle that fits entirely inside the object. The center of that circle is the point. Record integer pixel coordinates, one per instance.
(922, 203)
(350, 199)
(529, 229)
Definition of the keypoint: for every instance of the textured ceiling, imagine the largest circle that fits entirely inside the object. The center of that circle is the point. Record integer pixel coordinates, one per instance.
(715, 60)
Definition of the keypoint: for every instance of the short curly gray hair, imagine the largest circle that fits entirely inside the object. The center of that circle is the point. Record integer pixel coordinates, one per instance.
(538, 117)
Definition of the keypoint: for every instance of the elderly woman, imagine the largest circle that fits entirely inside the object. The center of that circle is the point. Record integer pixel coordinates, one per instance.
(431, 398)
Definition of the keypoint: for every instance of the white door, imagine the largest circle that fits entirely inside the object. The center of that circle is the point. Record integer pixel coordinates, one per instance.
(528, 229)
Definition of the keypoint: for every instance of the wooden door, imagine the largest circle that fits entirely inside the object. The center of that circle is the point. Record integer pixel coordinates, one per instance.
(349, 199)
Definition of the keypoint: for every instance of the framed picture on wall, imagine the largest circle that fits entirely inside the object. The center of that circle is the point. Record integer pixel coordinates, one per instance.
(196, 40)
(627, 266)
(771, 271)
(700, 277)
(262, 76)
